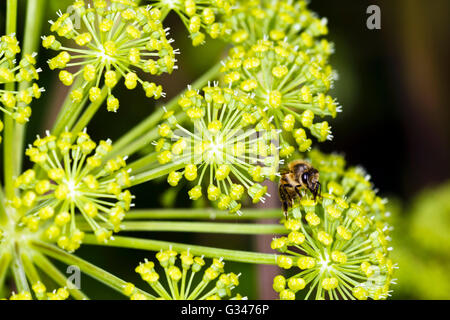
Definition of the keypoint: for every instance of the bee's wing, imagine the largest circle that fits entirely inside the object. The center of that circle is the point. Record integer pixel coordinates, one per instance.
(284, 170)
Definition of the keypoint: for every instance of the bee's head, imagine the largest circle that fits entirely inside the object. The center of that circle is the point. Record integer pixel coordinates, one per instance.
(310, 179)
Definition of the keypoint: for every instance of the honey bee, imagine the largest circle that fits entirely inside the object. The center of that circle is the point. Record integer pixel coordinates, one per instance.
(298, 175)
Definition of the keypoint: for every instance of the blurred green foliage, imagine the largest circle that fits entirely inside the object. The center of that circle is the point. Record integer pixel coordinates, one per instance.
(421, 242)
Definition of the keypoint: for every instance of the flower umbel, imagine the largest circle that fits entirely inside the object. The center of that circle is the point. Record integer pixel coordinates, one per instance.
(340, 244)
(200, 16)
(282, 60)
(181, 275)
(287, 86)
(111, 41)
(15, 102)
(72, 179)
(225, 147)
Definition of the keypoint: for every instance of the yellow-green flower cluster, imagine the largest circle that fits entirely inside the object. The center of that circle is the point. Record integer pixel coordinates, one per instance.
(40, 292)
(338, 246)
(200, 16)
(73, 179)
(281, 59)
(110, 41)
(186, 278)
(224, 148)
(288, 87)
(290, 20)
(15, 102)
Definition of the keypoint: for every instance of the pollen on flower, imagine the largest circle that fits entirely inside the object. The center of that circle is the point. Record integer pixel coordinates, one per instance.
(15, 103)
(112, 41)
(339, 243)
(73, 180)
(180, 270)
(221, 149)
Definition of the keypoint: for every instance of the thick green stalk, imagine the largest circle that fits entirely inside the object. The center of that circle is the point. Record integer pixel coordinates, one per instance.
(69, 110)
(19, 272)
(30, 269)
(33, 24)
(144, 140)
(208, 213)
(90, 269)
(155, 245)
(143, 164)
(139, 136)
(205, 227)
(3, 213)
(90, 112)
(8, 143)
(5, 260)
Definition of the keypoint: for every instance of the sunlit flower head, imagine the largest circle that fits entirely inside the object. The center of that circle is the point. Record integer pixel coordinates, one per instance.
(200, 16)
(223, 149)
(72, 180)
(288, 86)
(109, 41)
(185, 277)
(15, 102)
(281, 58)
(338, 246)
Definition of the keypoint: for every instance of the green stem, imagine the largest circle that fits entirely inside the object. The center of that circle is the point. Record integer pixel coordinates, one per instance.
(97, 273)
(248, 214)
(3, 213)
(33, 25)
(205, 227)
(139, 135)
(69, 109)
(90, 112)
(11, 22)
(46, 266)
(5, 260)
(144, 140)
(11, 16)
(155, 245)
(156, 173)
(30, 270)
(143, 164)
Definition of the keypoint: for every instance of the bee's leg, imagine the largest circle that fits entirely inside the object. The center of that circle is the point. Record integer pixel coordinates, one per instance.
(283, 199)
(318, 191)
(297, 190)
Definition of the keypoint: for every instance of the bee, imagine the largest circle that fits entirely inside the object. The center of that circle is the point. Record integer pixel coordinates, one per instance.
(298, 175)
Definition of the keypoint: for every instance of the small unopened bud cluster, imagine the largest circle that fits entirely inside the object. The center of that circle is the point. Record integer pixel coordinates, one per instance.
(188, 278)
(15, 103)
(226, 147)
(339, 245)
(111, 41)
(201, 17)
(72, 179)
